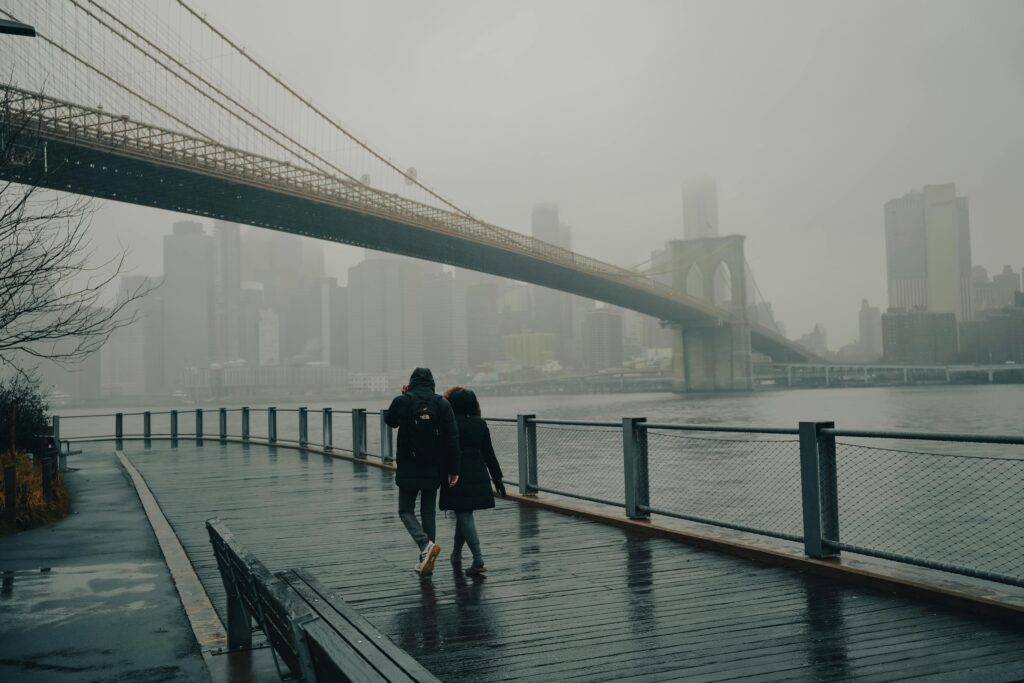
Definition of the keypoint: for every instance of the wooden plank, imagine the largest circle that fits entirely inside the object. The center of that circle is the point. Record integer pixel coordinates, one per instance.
(565, 598)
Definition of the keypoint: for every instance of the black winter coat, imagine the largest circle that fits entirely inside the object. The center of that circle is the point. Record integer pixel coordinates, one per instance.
(415, 473)
(479, 466)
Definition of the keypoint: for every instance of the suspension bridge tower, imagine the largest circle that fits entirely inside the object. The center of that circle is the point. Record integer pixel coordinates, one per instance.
(710, 355)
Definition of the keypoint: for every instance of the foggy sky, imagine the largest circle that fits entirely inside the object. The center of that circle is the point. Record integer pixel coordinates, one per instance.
(810, 115)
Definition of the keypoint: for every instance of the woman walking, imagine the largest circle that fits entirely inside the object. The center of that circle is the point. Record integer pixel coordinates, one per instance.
(479, 468)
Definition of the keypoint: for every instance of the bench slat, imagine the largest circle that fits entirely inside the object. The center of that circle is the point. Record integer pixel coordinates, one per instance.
(394, 663)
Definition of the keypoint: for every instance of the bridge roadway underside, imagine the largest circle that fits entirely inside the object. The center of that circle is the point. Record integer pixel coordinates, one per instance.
(126, 178)
(564, 598)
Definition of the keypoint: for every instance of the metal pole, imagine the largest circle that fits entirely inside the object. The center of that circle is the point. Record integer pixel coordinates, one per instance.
(359, 432)
(119, 430)
(634, 459)
(245, 423)
(387, 451)
(272, 425)
(147, 425)
(303, 426)
(62, 457)
(526, 438)
(328, 429)
(174, 429)
(223, 423)
(199, 425)
(818, 483)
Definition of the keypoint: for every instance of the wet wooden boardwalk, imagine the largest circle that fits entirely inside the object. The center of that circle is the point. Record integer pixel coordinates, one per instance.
(565, 599)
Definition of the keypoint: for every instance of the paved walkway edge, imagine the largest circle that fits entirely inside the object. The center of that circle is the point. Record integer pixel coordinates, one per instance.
(205, 622)
(979, 597)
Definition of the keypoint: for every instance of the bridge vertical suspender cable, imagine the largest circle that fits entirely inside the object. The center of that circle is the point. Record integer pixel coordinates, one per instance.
(322, 115)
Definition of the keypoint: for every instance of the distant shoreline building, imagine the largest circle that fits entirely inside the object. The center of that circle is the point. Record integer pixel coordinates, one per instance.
(928, 251)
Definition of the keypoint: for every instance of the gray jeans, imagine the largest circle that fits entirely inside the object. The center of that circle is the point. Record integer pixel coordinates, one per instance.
(465, 533)
(423, 532)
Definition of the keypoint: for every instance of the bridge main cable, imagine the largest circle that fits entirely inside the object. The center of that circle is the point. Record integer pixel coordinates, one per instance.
(409, 178)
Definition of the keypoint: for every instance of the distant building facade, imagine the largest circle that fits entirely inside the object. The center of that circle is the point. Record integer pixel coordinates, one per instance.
(928, 251)
(602, 339)
(530, 349)
(919, 337)
(700, 208)
(870, 324)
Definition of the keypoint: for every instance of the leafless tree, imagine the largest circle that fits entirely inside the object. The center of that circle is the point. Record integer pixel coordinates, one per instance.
(52, 285)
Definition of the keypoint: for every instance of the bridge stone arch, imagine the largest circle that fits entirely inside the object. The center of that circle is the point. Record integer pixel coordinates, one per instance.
(712, 356)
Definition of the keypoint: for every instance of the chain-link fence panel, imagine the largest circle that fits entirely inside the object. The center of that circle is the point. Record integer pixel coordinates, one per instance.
(504, 438)
(86, 426)
(749, 482)
(343, 430)
(941, 509)
(234, 416)
(373, 433)
(580, 461)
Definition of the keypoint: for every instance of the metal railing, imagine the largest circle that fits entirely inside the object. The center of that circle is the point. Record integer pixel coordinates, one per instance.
(949, 502)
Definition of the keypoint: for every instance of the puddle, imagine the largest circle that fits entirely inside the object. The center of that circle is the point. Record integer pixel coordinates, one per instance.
(54, 596)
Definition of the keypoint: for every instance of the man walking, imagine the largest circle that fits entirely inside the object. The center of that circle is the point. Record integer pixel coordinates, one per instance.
(428, 449)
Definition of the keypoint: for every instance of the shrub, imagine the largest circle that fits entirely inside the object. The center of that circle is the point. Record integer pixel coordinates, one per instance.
(34, 509)
(30, 418)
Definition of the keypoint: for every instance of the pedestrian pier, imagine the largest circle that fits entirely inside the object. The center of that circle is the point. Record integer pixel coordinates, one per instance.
(571, 598)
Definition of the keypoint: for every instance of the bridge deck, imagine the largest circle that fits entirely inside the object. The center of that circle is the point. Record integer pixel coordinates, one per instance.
(565, 598)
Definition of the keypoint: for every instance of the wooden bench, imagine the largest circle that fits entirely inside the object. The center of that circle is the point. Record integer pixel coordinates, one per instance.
(316, 634)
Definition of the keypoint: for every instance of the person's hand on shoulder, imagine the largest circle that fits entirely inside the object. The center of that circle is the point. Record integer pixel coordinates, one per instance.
(405, 388)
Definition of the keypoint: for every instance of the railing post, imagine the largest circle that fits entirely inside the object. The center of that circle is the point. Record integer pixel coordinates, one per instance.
(62, 458)
(119, 430)
(327, 438)
(245, 423)
(634, 459)
(819, 487)
(147, 426)
(526, 438)
(359, 432)
(222, 424)
(387, 450)
(11, 493)
(174, 429)
(272, 424)
(303, 426)
(199, 425)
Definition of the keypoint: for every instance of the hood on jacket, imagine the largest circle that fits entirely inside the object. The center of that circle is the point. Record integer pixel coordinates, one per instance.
(421, 378)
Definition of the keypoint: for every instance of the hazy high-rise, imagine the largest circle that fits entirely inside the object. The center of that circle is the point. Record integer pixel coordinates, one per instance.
(700, 208)
(187, 306)
(928, 251)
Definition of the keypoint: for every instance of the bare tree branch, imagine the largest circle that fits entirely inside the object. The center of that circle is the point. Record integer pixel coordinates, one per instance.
(52, 286)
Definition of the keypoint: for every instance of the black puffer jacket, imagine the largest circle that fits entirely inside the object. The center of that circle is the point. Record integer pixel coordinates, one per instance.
(417, 473)
(479, 467)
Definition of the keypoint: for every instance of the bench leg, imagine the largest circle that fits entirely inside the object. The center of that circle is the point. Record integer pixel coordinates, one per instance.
(239, 624)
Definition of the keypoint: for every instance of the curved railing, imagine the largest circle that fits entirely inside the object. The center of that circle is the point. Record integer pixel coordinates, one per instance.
(943, 501)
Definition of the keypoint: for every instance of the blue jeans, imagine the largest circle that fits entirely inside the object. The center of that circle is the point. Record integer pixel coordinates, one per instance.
(465, 533)
(423, 532)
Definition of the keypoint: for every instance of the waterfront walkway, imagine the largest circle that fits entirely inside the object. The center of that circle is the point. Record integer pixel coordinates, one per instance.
(565, 598)
(89, 598)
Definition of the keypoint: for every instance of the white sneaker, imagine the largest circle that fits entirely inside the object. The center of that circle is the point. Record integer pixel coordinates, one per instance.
(425, 567)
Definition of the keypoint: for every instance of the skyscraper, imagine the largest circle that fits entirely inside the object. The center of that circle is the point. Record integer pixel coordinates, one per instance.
(928, 251)
(385, 315)
(602, 339)
(870, 319)
(187, 300)
(227, 295)
(700, 208)
(553, 310)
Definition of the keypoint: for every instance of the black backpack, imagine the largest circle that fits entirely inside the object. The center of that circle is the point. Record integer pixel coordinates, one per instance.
(425, 428)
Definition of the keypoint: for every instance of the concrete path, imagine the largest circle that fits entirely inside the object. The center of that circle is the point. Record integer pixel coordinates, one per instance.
(90, 598)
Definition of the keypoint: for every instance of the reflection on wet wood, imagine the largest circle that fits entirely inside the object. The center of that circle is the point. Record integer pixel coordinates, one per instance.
(564, 598)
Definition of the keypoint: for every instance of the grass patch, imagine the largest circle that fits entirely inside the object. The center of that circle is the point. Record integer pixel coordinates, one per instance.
(33, 508)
